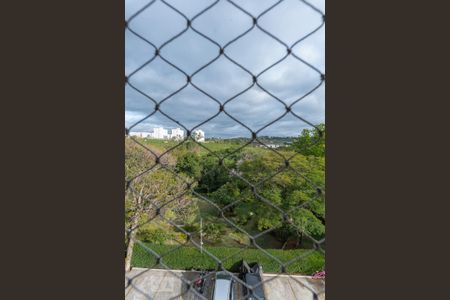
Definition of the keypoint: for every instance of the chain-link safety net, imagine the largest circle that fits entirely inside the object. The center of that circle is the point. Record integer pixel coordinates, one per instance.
(239, 205)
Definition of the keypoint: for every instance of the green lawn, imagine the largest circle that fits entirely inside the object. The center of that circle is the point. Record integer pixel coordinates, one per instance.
(186, 258)
(213, 146)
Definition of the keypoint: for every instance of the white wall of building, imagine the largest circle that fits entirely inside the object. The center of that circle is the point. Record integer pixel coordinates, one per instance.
(141, 134)
(198, 135)
(177, 134)
(161, 133)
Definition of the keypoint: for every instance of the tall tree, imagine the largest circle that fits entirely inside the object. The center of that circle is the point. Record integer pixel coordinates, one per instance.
(151, 190)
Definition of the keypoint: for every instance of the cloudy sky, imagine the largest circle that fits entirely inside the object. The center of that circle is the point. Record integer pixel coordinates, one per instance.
(223, 80)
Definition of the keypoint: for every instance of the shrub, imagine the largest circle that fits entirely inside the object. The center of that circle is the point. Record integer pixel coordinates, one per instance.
(239, 237)
(189, 164)
(154, 235)
(192, 227)
(214, 231)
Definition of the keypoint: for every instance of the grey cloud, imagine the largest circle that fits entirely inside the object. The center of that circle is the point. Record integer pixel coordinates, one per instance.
(222, 79)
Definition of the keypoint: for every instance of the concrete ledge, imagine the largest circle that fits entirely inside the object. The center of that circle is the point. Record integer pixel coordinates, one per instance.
(159, 284)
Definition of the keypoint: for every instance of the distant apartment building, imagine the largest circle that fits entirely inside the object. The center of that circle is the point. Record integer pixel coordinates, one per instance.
(176, 134)
(141, 134)
(161, 133)
(198, 135)
(274, 146)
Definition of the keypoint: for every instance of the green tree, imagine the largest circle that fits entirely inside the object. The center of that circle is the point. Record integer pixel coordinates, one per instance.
(151, 188)
(214, 231)
(287, 191)
(304, 222)
(213, 174)
(310, 142)
(189, 164)
(226, 194)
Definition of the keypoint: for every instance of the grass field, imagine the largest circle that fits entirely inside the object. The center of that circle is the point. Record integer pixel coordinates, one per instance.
(212, 146)
(185, 258)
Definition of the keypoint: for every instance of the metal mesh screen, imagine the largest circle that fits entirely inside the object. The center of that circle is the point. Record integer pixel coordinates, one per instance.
(150, 197)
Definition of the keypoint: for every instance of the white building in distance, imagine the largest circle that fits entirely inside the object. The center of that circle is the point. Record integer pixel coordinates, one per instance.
(177, 134)
(161, 133)
(198, 135)
(141, 134)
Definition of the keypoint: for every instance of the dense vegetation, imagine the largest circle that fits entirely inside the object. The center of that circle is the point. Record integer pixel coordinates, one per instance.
(249, 187)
